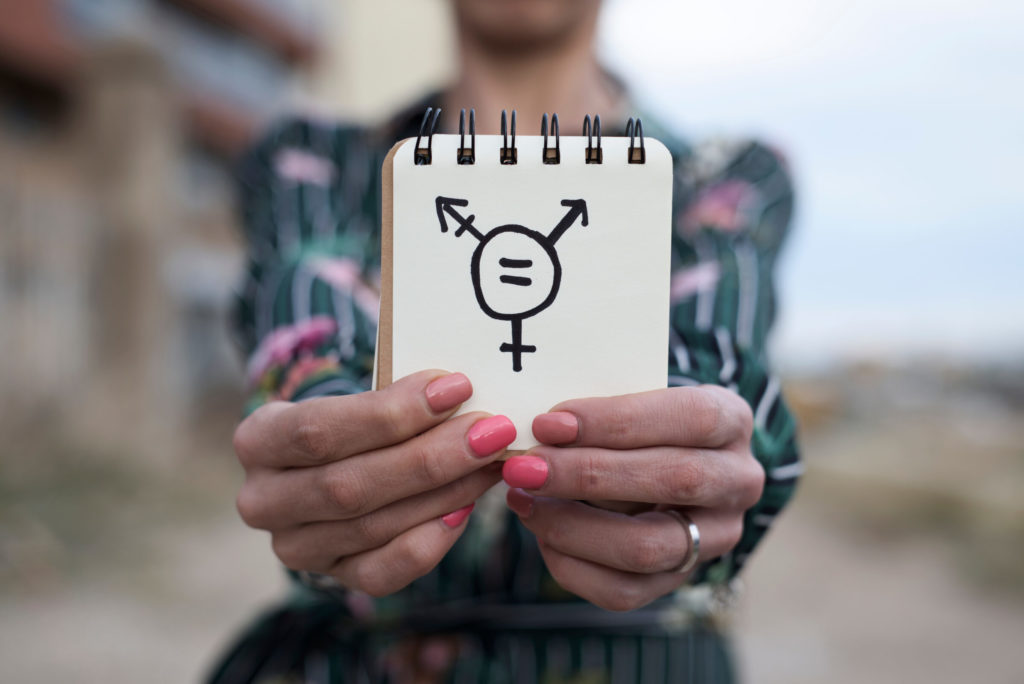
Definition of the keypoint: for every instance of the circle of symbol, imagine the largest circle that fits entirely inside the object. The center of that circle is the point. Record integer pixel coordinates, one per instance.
(529, 236)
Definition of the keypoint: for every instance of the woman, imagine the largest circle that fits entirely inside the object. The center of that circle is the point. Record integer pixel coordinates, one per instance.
(369, 495)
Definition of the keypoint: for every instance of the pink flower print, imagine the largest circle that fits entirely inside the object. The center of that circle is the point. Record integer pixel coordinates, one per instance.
(313, 332)
(688, 282)
(301, 166)
(283, 344)
(725, 206)
(346, 275)
(302, 370)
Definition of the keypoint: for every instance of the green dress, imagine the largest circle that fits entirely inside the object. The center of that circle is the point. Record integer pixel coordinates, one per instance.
(306, 318)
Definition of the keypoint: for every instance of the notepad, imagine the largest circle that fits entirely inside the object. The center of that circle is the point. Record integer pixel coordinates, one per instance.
(541, 282)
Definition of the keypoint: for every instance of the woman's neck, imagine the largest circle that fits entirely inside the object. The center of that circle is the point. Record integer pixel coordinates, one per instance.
(563, 78)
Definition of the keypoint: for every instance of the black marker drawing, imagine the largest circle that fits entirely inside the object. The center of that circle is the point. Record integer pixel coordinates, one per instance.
(515, 270)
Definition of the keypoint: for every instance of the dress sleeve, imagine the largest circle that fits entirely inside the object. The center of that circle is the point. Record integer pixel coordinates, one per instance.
(732, 214)
(306, 313)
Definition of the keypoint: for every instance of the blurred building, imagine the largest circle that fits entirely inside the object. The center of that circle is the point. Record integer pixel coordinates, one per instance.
(119, 120)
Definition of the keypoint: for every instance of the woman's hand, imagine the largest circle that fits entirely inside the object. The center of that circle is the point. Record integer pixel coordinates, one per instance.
(373, 488)
(682, 448)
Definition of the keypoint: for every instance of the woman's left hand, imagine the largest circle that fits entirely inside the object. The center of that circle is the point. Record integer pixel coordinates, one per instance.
(681, 448)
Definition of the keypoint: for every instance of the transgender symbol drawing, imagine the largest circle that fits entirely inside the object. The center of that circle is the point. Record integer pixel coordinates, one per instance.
(515, 270)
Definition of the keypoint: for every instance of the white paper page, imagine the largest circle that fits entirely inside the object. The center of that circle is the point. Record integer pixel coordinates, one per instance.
(605, 330)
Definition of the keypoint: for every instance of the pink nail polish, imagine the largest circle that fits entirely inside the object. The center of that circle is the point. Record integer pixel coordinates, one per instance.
(520, 502)
(527, 472)
(448, 391)
(557, 427)
(456, 518)
(490, 434)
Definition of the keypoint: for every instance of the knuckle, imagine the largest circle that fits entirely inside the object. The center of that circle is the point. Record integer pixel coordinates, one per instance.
(703, 411)
(744, 418)
(468, 489)
(721, 414)
(369, 579)
(733, 533)
(566, 580)
(367, 532)
(588, 473)
(250, 508)
(646, 554)
(748, 484)
(346, 493)
(285, 552)
(465, 488)
(313, 438)
(737, 418)
(555, 534)
(430, 466)
(623, 597)
(614, 596)
(243, 443)
(686, 481)
(394, 415)
(753, 486)
(376, 588)
(619, 422)
(421, 558)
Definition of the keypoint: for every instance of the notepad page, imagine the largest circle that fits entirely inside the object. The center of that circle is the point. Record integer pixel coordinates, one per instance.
(496, 275)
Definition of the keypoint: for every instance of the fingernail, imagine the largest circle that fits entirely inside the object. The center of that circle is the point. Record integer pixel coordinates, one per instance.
(448, 391)
(490, 434)
(557, 427)
(519, 501)
(528, 472)
(456, 518)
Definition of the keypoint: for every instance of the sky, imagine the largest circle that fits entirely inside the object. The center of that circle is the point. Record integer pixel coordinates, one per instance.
(903, 121)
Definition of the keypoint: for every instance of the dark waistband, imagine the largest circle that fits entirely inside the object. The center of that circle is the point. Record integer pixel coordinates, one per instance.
(664, 616)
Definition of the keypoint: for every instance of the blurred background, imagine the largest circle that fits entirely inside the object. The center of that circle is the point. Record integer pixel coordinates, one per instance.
(900, 342)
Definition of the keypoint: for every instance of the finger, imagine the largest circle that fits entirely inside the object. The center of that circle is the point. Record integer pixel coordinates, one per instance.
(647, 543)
(367, 482)
(664, 475)
(319, 546)
(606, 587)
(409, 556)
(706, 416)
(328, 429)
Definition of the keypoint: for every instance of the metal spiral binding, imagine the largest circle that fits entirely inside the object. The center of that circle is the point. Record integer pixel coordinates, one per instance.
(551, 155)
(422, 155)
(636, 155)
(509, 155)
(467, 155)
(594, 154)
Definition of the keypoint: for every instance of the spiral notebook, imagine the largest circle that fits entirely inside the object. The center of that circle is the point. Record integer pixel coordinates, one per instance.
(538, 266)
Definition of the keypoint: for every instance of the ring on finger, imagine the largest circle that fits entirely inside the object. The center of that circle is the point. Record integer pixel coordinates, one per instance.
(692, 541)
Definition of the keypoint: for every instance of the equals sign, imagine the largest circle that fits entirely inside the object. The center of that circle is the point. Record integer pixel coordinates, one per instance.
(515, 263)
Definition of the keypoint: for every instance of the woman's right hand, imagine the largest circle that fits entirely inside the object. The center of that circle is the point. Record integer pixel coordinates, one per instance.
(373, 488)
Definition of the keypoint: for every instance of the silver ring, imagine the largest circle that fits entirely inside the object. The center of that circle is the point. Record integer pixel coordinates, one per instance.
(693, 539)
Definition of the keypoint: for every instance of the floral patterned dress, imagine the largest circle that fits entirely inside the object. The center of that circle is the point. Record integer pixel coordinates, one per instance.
(306, 317)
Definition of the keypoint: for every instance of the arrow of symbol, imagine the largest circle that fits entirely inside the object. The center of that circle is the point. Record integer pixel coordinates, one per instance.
(446, 205)
(576, 208)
